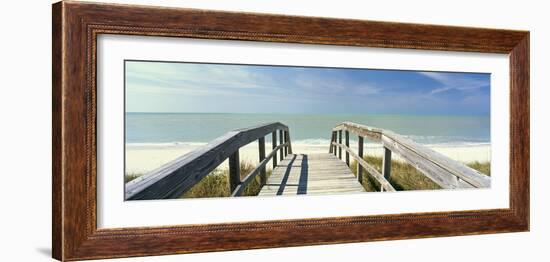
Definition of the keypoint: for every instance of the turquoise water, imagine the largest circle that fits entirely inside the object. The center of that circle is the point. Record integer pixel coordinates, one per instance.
(152, 128)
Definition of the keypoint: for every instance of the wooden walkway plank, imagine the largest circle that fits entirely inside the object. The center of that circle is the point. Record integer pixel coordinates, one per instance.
(300, 174)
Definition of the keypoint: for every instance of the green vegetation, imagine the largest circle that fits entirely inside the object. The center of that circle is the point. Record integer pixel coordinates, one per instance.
(403, 177)
(216, 184)
(484, 168)
(406, 177)
(130, 177)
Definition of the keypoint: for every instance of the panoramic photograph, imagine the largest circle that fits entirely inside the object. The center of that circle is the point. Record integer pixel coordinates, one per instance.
(203, 130)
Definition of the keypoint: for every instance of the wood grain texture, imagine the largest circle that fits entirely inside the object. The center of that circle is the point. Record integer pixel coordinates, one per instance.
(439, 168)
(57, 189)
(360, 144)
(311, 174)
(340, 142)
(273, 146)
(386, 163)
(249, 177)
(384, 183)
(453, 168)
(234, 171)
(519, 130)
(372, 133)
(76, 26)
(174, 178)
(261, 156)
(436, 173)
(281, 141)
(287, 138)
(347, 144)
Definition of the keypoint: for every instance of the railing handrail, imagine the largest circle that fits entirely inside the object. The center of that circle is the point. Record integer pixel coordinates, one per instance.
(176, 177)
(443, 170)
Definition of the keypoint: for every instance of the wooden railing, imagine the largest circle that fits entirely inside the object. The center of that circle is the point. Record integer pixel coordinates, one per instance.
(444, 171)
(176, 177)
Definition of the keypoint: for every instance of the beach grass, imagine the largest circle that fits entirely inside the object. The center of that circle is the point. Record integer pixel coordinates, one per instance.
(131, 176)
(406, 177)
(403, 177)
(216, 184)
(483, 167)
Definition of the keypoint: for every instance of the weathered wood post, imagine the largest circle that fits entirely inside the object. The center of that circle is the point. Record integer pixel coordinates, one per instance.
(359, 168)
(335, 141)
(340, 142)
(386, 165)
(281, 141)
(286, 140)
(332, 149)
(261, 148)
(347, 144)
(273, 146)
(234, 171)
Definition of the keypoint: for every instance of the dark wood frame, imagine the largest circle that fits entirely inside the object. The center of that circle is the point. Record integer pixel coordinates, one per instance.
(76, 26)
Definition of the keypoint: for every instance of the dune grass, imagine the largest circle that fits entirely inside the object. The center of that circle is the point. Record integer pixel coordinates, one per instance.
(484, 167)
(403, 177)
(131, 176)
(406, 177)
(216, 184)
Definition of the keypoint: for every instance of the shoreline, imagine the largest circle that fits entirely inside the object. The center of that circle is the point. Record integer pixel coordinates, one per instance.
(144, 157)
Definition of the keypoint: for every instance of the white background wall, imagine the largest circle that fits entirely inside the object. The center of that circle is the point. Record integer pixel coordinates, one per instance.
(25, 147)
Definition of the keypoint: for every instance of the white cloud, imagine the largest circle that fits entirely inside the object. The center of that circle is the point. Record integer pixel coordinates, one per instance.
(177, 74)
(318, 84)
(441, 90)
(449, 83)
(323, 85)
(367, 89)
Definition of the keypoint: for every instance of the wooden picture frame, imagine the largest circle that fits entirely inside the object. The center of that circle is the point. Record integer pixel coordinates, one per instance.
(76, 26)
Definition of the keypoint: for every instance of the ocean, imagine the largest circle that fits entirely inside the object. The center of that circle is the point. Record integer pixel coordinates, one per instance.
(200, 128)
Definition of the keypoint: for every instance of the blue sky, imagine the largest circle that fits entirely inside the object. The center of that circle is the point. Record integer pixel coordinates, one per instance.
(211, 88)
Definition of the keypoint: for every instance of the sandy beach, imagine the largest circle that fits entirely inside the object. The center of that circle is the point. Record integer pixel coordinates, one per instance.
(142, 158)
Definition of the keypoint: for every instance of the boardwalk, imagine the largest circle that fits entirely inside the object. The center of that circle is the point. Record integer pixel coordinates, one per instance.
(300, 174)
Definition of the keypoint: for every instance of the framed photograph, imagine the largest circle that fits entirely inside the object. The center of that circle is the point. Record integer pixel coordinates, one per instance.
(181, 130)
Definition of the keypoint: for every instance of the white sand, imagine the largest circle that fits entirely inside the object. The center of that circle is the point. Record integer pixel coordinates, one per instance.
(143, 158)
